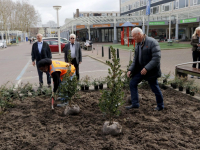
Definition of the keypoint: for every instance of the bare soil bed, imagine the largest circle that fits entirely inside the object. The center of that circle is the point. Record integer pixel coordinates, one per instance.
(32, 125)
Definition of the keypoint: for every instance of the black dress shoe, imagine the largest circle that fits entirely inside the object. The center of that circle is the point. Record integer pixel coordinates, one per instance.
(158, 108)
(131, 106)
(40, 85)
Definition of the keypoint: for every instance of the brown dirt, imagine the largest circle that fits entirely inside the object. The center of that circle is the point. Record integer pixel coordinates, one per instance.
(32, 125)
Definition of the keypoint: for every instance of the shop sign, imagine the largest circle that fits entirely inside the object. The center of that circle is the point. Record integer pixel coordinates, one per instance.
(101, 25)
(188, 20)
(157, 23)
(136, 24)
(80, 26)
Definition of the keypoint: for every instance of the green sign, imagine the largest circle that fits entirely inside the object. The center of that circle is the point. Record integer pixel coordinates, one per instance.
(157, 23)
(188, 20)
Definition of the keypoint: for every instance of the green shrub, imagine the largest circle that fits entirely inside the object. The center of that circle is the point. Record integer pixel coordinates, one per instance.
(112, 99)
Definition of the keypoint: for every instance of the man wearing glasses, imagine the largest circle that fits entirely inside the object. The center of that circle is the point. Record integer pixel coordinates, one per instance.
(76, 54)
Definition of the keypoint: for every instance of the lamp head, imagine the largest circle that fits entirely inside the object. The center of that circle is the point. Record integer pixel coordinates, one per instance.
(57, 7)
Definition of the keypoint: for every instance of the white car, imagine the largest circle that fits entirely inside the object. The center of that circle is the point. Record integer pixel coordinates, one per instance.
(3, 44)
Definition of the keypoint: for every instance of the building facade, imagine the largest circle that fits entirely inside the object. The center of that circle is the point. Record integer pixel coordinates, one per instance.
(171, 19)
(159, 7)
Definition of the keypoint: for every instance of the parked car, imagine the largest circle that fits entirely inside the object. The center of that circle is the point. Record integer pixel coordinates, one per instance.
(62, 40)
(53, 44)
(13, 41)
(3, 44)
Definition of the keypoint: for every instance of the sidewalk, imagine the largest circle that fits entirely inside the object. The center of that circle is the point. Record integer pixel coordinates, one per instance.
(124, 55)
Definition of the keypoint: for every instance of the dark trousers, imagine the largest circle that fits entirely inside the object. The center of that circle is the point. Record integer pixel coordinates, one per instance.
(40, 74)
(196, 57)
(76, 66)
(154, 87)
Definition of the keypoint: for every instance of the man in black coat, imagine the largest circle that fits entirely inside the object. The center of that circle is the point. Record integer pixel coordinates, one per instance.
(41, 50)
(146, 65)
(76, 53)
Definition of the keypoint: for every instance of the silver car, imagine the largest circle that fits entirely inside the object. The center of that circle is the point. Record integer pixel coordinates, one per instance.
(3, 44)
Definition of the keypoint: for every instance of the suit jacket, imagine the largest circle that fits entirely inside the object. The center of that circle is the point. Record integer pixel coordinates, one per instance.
(78, 52)
(45, 52)
(150, 58)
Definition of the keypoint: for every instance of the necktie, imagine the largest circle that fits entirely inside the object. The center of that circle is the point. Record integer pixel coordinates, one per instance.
(72, 44)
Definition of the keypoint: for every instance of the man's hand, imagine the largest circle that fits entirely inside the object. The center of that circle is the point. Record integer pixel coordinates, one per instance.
(33, 63)
(198, 45)
(79, 62)
(144, 71)
(128, 74)
(54, 95)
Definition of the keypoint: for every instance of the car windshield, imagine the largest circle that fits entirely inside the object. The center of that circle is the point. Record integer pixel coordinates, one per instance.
(54, 43)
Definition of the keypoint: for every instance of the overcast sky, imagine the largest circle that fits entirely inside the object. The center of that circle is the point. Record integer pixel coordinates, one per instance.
(45, 8)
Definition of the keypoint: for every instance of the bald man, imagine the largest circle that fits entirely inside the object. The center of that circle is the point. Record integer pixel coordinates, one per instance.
(41, 50)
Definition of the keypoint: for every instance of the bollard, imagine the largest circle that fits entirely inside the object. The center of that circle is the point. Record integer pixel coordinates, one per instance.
(109, 56)
(102, 52)
(92, 48)
(117, 53)
(130, 54)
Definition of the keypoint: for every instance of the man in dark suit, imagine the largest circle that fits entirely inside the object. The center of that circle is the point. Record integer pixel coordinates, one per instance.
(146, 65)
(76, 53)
(41, 50)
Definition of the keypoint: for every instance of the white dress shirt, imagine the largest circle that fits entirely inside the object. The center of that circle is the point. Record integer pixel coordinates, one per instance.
(72, 48)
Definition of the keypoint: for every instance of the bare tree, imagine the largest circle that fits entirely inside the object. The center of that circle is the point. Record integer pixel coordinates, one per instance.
(20, 15)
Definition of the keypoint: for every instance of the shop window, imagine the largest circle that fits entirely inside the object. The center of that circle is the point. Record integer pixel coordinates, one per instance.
(142, 2)
(102, 35)
(194, 2)
(133, 6)
(181, 3)
(166, 7)
(110, 35)
(114, 14)
(137, 4)
(177, 4)
(119, 34)
(127, 8)
(106, 35)
(145, 2)
(130, 7)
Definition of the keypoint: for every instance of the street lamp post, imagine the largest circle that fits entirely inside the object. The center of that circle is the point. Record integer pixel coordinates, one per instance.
(58, 8)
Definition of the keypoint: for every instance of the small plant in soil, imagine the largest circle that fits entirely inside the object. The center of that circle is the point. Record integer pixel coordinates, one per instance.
(193, 90)
(181, 81)
(112, 99)
(174, 82)
(95, 83)
(165, 78)
(101, 82)
(68, 90)
(81, 85)
(6, 97)
(188, 86)
(86, 81)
